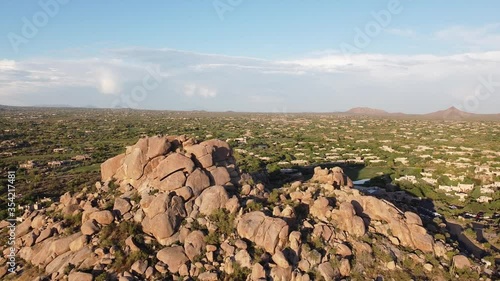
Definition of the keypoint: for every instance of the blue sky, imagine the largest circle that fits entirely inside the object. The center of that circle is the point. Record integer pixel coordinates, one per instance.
(256, 55)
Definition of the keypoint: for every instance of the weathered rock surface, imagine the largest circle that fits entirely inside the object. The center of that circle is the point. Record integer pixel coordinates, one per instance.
(334, 176)
(194, 244)
(173, 257)
(80, 276)
(461, 262)
(211, 199)
(268, 233)
(171, 185)
(346, 219)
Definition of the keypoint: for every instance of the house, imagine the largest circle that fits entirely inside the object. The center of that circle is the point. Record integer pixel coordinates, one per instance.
(403, 160)
(300, 162)
(485, 189)
(54, 164)
(446, 188)
(81, 157)
(465, 187)
(460, 188)
(411, 179)
(430, 181)
(30, 164)
(484, 199)
(482, 169)
(57, 163)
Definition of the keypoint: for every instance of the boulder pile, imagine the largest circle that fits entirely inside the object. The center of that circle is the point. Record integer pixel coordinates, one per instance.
(170, 208)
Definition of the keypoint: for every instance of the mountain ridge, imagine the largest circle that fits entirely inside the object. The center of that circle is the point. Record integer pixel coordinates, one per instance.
(451, 113)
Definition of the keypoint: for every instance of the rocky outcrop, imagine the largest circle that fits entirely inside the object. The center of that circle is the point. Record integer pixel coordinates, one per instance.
(406, 227)
(346, 219)
(334, 176)
(160, 163)
(185, 217)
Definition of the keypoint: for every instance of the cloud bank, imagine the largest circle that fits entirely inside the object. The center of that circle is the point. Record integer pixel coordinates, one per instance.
(320, 83)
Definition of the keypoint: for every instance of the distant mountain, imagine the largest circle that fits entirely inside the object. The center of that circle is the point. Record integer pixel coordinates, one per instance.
(451, 113)
(367, 111)
(54, 105)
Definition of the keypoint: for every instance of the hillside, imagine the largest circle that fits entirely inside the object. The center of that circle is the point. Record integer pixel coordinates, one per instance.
(171, 208)
(366, 111)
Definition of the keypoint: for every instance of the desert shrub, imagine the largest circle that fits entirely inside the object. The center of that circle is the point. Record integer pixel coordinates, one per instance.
(123, 261)
(102, 277)
(212, 238)
(254, 206)
(223, 220)
(240, 273)
(111, 235)
(274, 196)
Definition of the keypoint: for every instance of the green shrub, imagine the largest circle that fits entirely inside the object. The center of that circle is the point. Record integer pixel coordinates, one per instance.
(224, 221)
(274, 196)
(102, 277)
(254, 206)
(239, 274)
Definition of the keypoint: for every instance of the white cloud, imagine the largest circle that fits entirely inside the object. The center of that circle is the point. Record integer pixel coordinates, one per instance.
(403, 32)
(7, 65)
(192, 90)
(486, 36)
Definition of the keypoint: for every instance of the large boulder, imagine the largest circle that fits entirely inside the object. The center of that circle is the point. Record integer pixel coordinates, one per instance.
(321, 209)
(121, 206)
(174, 257)
(194, 244)
(267, 232)
(211, 199)
(61, 245)
(163, 215)
(135, 161)
(157, 146)
(90, 227)
(173, 163)
(220, 149)
(161, 226)
(80, 276)
(198, 181)
(111, 166)
(202, 154)
(346, 219)
(103, 217)
(172, 182)
(461, 262)
(220, 176)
